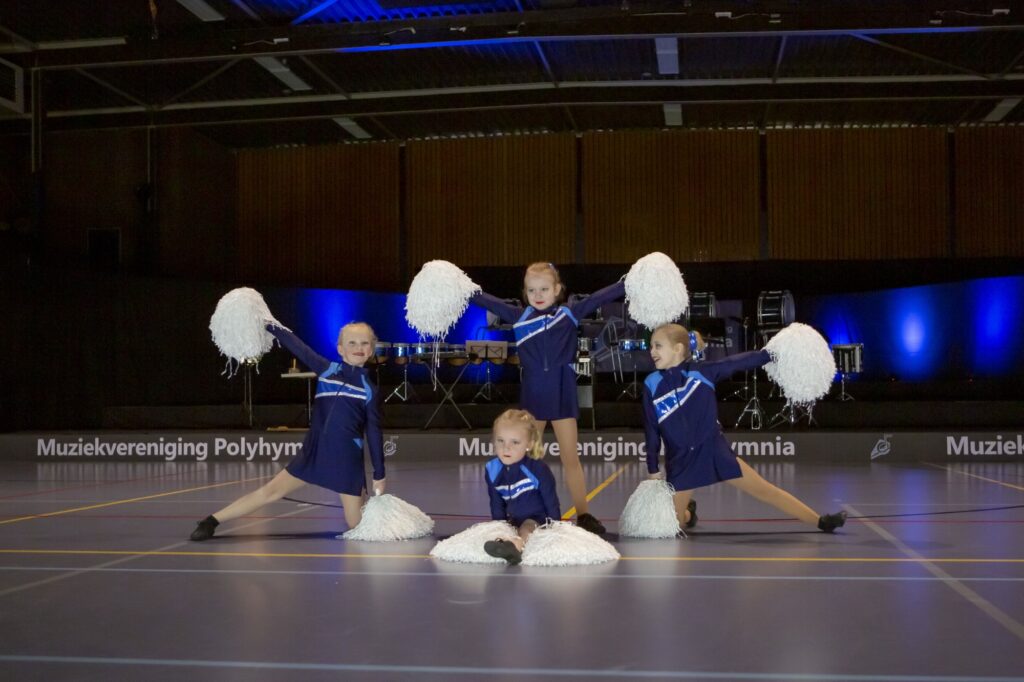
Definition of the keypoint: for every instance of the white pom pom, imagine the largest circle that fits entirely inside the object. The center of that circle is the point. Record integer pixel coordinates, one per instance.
(649, 512)
(561, 543)
(387, 518)
(468, 546)
(655, 291)
(239, 325)
(438, 297)
(802, 364)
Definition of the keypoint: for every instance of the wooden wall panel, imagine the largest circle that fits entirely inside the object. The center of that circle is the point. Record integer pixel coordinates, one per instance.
(196, 206)
(692, 194)
(322, 216)
(858, 194)
(492, 201)
(91, 180)
(990, 192)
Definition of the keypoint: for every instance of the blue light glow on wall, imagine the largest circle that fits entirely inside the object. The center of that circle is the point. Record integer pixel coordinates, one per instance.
(954, 330)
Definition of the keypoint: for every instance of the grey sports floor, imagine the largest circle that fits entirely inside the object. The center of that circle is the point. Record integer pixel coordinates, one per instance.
(99, 582)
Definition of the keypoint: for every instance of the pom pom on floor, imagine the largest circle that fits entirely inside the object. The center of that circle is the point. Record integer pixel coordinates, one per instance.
(438, 297)
(387, 518)
(561, 543)
(239, 325)
(649, 512)
(467, 547)
(655, 291)
(802, 364)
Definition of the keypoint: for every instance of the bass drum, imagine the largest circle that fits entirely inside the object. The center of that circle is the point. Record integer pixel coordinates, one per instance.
(775, 309)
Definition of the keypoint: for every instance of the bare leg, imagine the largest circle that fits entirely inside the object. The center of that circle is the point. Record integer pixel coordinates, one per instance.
(525, 530)
(568, 437)
(278, 487)
(752, 484)
(681, 500)
(353, 505)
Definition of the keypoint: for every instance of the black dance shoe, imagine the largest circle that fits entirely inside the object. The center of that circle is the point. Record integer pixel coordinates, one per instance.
(829, 522)
(590, 523)
(204, 529)
(692, 508)
(503, 549)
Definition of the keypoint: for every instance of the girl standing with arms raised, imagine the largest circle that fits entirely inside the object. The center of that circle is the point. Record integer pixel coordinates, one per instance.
(546, 333)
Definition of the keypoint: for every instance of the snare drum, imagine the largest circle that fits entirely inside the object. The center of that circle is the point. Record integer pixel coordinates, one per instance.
(457, 355)
(630, 345)
(380, 353)
(400, 352)
(421, 351)
(775, 309)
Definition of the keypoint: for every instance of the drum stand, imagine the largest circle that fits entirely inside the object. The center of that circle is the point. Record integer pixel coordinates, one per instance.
(791, 414)
(447, 397)
(632, 389)
(488, 387)
(403, 389)
(744, 392)
(752, 408)
(247, 410)
(843, 395)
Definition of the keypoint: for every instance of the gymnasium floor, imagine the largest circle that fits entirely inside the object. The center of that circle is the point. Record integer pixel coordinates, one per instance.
(98, 582)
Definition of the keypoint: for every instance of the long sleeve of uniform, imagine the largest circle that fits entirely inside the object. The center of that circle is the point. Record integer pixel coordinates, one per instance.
(509, 314)
(548, 493)
(652, 436)
(598, 299)
(741, 362)
(374, 436)
(498, 510)
(306, 355)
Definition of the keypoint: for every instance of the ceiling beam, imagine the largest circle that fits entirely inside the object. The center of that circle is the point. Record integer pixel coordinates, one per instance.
(532, 95)
(638, 20)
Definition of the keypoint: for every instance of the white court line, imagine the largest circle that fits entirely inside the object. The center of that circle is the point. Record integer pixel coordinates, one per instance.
(501, 573)
(490, 672)
(79, 571)
(987, 607)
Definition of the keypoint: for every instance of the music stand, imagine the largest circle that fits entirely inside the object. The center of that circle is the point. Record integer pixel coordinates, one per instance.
(488, 351)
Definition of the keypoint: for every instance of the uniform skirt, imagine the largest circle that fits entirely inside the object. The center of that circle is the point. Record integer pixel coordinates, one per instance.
(550, 395)
(336, 465)
(712, 461)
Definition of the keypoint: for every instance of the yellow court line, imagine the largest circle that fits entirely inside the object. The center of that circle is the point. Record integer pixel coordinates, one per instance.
(983, 478)
(345, 555)
(134, 499)
(604, 484)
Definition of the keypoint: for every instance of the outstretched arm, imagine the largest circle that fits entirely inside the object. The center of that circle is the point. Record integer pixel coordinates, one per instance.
(742, 362)
(652, 436)
(508, 313)
(549, 494)
(598, 299)
(497, 504)
(374, 435)
(306, 355)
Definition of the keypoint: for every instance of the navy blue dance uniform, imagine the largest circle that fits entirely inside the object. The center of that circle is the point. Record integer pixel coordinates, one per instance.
(546, 342)
(346, 406)
(680, 408)
(521, 491)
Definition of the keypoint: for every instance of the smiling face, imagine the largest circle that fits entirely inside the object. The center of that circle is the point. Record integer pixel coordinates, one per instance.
(356, 344)
(664, 352)
(511, 441)
(541, 290)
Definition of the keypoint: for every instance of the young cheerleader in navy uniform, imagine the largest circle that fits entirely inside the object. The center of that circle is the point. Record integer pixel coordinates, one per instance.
(520, 486)
(680, 408)
(347, 407)
(546, 341)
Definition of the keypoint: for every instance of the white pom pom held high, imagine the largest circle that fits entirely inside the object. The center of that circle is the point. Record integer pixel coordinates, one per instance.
(387, 518)
(655, 291)
(238, 325)
(802, 364)
(649, 512)
(438, 296)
